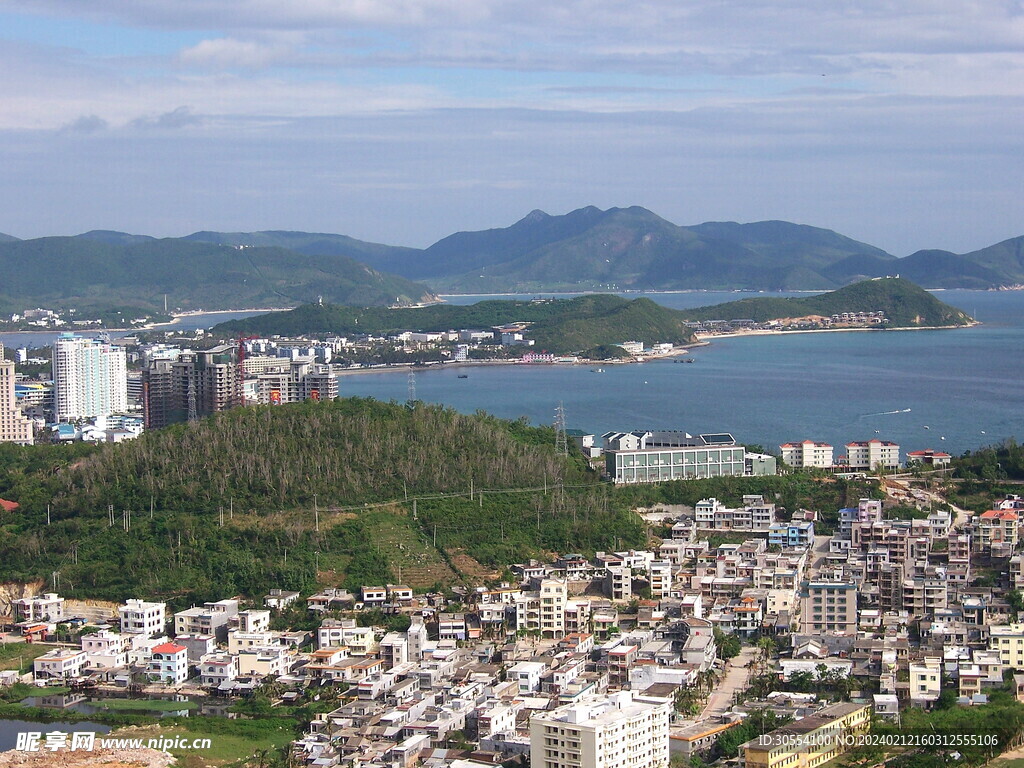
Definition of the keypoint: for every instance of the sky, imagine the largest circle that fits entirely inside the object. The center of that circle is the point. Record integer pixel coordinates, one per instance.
(402, 121)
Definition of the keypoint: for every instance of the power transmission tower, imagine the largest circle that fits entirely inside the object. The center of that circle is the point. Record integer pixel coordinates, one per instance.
(561, 440)
(412, 386)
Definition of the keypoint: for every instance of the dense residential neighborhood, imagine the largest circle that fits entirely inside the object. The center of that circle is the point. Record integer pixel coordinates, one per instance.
(604, 661)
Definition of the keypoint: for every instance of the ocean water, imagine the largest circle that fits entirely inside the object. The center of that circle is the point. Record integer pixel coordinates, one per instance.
(204, 320)
(951, 390)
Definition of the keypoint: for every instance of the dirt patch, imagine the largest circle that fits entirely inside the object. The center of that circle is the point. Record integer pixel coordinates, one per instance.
(105, 758)
(470, 567)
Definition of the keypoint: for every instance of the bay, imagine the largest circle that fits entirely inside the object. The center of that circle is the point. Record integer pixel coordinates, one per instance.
(186, 323)
(964, 388)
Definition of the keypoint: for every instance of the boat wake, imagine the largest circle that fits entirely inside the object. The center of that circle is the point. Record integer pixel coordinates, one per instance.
(886, 413)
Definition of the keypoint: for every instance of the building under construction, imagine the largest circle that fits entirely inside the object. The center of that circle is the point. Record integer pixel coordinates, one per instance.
(198, 383)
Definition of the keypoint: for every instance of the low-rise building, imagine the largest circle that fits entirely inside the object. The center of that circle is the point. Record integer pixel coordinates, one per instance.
(810, 741)
(168, 664)
(59, 664)
(143, 618)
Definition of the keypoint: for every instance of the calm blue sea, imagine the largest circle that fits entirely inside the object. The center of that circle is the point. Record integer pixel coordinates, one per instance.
(966, 386)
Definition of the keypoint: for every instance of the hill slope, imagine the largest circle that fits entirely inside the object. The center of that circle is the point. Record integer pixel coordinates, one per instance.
(387, 258)
(563, 325)
(905, 305)
(111, 268)
(267, 468)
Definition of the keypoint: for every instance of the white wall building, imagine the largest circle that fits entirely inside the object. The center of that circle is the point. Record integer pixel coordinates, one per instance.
(808, 454)
(169, 663)
(48, 607)
(106, 649)
(620, 730)
(59, 664)
(142, 618)
(872, 454)
(90, 378)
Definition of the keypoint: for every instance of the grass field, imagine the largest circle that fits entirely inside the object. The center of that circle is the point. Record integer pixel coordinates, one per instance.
(13, 654)
(144, 705)
(226, 749)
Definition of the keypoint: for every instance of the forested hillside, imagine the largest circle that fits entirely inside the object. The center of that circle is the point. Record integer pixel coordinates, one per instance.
(905, 305)
(562, 325)
(227, 504)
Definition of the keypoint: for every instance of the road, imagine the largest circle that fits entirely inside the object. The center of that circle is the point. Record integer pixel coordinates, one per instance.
(960, 516)
(735, 680)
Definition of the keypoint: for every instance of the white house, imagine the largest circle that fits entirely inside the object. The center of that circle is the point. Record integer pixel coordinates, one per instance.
(106, 649)
(59, 664)
(143, 618)
(169, 663)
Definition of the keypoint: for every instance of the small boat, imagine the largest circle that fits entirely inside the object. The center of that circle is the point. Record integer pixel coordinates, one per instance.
(463, 375)
(597, 370)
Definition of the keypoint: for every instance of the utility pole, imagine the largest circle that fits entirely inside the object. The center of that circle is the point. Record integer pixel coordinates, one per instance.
(316, 513)
(47, 514)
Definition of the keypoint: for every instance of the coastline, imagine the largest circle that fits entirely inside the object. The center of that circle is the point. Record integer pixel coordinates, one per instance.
(707, 337)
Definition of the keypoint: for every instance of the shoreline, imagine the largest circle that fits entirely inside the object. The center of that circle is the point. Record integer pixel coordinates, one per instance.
(707, 337)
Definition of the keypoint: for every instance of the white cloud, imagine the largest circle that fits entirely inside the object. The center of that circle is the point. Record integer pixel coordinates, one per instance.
(229, 53)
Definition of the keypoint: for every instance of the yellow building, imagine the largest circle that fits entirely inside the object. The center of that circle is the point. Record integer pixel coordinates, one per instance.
(1008, 639)
(811, 741)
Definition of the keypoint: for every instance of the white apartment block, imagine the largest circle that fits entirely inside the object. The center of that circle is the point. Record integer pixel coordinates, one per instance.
(59, 664)
(47, 607)
(553, 596)
(334, 633)
(659, 576)
(106, 649)
(211, 619)
(14, 426)
(620, 730)
(143, 618)
(251, 620)
(872, 454)
(90, 378)
(808, 454)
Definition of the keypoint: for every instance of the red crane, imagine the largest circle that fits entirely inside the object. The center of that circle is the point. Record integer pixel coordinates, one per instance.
(240, 370)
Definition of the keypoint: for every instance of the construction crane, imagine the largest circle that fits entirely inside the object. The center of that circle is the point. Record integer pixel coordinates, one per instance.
(240, 370)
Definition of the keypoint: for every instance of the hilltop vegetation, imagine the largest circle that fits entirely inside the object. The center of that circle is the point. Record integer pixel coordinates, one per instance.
(905, 305)
(587, 322)
(233, 498)
(101, 271)
(563, 325)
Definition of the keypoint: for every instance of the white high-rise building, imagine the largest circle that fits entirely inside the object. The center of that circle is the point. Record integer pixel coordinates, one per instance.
(14, 427)
(620, 730)
(90, 378)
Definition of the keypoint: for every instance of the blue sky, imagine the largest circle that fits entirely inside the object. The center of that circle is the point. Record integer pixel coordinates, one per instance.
(401, 121)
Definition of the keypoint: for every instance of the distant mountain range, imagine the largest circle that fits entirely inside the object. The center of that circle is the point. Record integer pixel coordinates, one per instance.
(587, 249)
(634, 249)
(99, 269)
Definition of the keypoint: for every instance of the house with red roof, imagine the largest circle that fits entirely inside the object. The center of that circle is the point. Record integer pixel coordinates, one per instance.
(169, 663)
